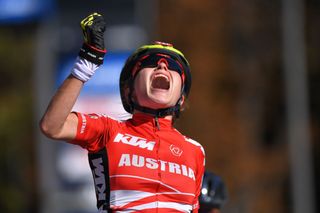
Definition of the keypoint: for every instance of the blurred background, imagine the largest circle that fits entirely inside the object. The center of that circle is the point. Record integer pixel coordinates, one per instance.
(254, 103)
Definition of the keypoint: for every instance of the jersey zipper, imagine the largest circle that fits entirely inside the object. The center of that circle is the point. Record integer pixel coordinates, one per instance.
(156, 120)
(156, 129)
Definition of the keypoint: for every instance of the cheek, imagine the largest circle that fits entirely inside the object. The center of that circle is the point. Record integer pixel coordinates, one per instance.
(140, 83)
(142, 77)
(177, 82)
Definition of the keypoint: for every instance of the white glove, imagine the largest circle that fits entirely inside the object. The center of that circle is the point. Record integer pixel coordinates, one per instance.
(83, 69)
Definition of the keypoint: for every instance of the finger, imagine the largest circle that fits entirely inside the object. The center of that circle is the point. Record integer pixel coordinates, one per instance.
(88, 20)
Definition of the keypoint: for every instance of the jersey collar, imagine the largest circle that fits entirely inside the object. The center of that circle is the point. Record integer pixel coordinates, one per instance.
(143, 118)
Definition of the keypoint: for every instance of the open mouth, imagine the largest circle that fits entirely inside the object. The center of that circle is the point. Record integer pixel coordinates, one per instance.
(160, 81)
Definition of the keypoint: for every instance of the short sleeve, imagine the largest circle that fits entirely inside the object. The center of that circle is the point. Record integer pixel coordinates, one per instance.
(93, 131)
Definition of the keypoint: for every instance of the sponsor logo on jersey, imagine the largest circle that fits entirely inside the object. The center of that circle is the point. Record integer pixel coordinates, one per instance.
(99, 179)
(151, 163)
(84, 123)
(176, 151)
(94, 116)
(134, 141)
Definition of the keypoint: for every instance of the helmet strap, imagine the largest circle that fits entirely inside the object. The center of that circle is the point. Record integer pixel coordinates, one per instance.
(159, 112)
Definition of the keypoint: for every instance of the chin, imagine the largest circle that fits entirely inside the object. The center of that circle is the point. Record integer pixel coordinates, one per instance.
(162, 104)
(156, 100)
(160, 99)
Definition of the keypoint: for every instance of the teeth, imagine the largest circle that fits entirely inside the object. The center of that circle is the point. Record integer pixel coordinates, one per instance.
(161, 75)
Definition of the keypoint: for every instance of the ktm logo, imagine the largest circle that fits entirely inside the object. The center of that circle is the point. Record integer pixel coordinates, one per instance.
(134, 141)
(99, 179)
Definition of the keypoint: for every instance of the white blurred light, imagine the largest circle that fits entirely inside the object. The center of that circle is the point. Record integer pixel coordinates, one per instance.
(204, 191)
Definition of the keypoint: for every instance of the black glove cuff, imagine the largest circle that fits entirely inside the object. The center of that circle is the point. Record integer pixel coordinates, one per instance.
(92, 54)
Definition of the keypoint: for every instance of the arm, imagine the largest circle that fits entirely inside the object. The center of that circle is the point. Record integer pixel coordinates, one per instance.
(57, 122)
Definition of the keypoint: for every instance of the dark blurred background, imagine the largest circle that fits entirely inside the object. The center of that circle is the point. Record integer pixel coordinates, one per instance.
(254, 104)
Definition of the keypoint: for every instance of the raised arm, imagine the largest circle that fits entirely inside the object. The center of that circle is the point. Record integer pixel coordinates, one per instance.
(58, 122)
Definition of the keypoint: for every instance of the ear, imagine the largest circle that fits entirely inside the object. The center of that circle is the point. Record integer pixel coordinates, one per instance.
(181, 101)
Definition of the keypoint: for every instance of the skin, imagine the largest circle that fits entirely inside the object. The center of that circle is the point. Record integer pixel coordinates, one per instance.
(59, 123)
(156, 98)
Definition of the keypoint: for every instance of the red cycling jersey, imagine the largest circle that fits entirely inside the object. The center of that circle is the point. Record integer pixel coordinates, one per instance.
(152, 168)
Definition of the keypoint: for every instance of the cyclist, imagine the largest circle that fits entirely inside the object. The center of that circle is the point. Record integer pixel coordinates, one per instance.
(142, 164)
(213, 193)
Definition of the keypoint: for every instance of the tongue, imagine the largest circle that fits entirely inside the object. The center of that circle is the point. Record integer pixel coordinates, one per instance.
(160, 83)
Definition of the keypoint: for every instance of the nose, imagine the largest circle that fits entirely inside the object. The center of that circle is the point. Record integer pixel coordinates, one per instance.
(162, 64)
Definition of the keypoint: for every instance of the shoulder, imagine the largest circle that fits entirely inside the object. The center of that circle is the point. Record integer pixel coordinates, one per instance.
(103, 117)
(189, 140)
(97, 119)
(194, 143)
